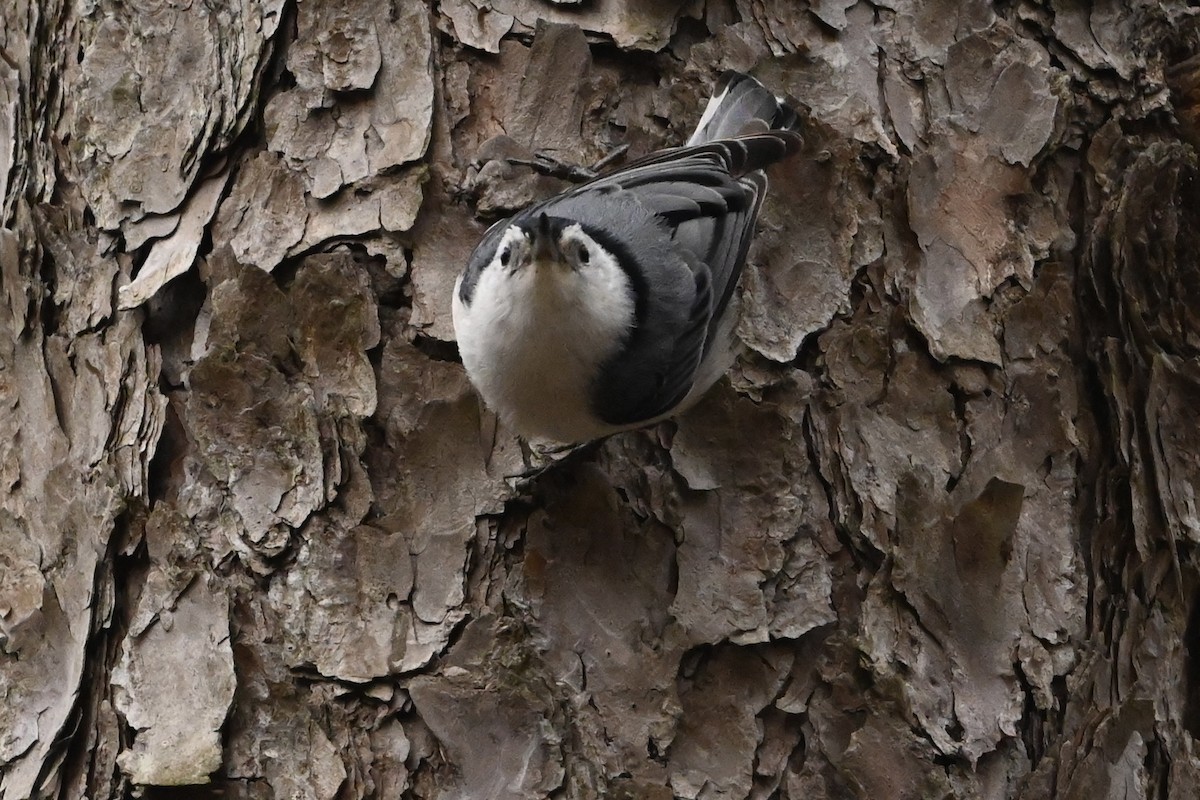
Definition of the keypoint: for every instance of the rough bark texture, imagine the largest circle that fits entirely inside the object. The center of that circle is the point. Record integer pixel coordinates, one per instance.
(936, 536)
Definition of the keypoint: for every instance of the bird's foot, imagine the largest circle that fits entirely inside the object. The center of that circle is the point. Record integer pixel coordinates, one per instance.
(545, 164)
(540, 459)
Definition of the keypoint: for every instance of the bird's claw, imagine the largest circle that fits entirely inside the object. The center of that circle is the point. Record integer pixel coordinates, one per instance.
(541, 459)
(545, 164)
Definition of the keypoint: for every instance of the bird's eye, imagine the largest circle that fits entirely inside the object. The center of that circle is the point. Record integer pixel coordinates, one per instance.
(506, 255)
(584, 255)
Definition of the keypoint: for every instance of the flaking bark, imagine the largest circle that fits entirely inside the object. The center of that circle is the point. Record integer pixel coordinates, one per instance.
(935, 536)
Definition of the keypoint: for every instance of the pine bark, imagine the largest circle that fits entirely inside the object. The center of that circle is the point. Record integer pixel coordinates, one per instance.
(935, 536)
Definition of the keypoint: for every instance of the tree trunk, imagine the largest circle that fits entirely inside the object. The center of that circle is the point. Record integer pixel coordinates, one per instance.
(935, 536)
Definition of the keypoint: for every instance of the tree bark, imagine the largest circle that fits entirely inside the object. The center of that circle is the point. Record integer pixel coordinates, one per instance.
(935, 536)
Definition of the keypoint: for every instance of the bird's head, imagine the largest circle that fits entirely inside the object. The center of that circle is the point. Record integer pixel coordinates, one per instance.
(547, 245)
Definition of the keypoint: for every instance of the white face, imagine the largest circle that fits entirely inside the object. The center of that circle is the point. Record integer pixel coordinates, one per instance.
(573, 249)
(543, 317)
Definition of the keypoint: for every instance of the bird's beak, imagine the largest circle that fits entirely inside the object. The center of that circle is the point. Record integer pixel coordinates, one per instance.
(545, 247)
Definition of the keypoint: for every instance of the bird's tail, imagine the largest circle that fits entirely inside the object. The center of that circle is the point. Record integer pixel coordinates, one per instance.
(741, 105)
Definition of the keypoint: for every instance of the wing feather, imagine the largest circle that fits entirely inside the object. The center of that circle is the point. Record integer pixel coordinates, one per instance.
(701, 201)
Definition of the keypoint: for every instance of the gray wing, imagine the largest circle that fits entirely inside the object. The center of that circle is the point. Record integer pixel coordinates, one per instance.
(709, 196)
(681, 222)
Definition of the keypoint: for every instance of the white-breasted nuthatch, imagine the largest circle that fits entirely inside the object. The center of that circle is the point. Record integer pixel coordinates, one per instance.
(608, 307)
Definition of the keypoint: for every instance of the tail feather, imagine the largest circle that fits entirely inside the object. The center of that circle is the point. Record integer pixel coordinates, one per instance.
(741, 105)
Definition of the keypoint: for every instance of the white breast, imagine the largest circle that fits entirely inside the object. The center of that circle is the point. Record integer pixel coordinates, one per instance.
(532, 342)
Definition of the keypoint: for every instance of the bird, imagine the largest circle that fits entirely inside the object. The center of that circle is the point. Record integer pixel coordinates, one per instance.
(610, 306)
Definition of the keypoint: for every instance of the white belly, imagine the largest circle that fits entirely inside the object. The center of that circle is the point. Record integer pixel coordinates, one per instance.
(532, 346)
